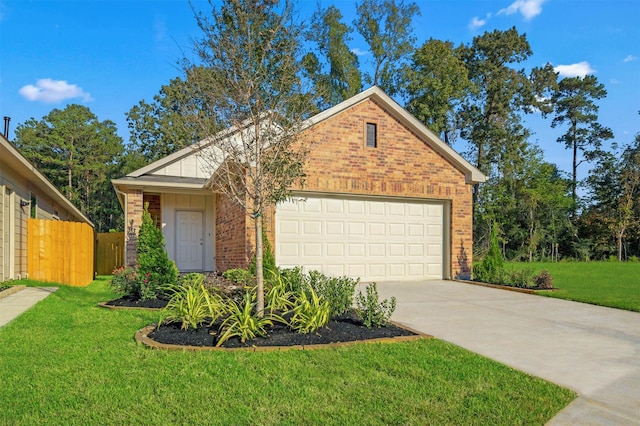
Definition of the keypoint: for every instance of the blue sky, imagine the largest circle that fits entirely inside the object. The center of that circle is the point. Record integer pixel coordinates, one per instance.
(108, 55)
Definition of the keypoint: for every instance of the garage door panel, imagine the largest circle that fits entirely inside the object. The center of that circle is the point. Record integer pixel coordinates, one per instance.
(312, 249)
(376, 249)
(370, 239)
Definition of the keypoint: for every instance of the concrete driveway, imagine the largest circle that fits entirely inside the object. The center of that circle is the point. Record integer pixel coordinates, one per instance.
(592, 350)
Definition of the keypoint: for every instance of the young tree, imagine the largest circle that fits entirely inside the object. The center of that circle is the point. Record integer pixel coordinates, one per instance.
(574, 102)
(386, 27)
(334, 71)
(249, 49)
(436, 82)
(79, 154)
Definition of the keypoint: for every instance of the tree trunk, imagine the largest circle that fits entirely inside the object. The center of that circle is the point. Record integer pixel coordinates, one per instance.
(259, 271)
(574, 193)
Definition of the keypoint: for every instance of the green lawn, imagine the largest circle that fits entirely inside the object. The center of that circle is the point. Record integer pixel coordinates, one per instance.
(614, 284)
(67, 361)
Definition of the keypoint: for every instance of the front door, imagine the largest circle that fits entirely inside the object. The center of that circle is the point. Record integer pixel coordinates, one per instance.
(189, 251)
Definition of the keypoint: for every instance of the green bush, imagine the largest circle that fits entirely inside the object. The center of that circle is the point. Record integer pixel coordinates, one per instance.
(373, 312)
(522, 278)
(633, 259)
(154, 267)
(191, 303)
(310, 312)
(243, 321)
(239, 276)
(337, 291)
(492, 265)
(126, 282)
(294, 279)
(278, 297)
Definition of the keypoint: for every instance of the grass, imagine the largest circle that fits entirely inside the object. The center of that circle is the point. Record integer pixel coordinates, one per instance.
(613, 284)
(67, 361)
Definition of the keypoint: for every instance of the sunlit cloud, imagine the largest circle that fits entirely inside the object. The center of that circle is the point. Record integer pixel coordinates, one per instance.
(529, 9)
(51, 91)
(477, 23)
(630, 58)
(359, 52)
(580, 69)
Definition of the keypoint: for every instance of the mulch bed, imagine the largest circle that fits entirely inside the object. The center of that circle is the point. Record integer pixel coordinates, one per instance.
(347, 328)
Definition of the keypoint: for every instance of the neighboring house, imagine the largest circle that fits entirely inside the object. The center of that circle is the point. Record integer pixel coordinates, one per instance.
(25, 193)
(384, 199)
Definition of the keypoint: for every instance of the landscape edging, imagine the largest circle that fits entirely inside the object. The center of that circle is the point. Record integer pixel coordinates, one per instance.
(11, 290)
(142, 336)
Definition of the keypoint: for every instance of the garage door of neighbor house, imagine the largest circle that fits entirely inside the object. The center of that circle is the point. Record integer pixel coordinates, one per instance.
(374, 239)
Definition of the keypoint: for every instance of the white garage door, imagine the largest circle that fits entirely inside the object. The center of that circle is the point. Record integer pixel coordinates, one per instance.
(375, 240)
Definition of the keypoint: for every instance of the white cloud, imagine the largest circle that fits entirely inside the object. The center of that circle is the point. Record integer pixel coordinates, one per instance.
(580, 69)
(529, 9)
(359, 52)
(630, 58)
(477, 23)
(51, 91)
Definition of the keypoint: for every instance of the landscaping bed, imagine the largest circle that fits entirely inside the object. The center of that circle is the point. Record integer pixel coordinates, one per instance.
(345, 328)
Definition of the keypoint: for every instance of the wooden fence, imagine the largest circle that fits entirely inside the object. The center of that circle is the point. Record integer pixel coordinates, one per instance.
(109, 252)
(60, 252)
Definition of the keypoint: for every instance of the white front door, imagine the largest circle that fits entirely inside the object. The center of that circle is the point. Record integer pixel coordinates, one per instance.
(189, 240)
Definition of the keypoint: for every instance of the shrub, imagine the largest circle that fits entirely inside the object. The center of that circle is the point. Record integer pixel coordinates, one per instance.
(278, 298)
(544, 280)
(125, 281)
(239, 276)
(294, 279)
(154, 266)
(243, 321)
(310, 312)
(373, 312)
(522, 278)
(633, 259)
(337, 291)
(191, 303)
(492, 265)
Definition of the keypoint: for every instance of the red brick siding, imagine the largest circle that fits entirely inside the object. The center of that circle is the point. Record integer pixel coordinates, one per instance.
(232, 236)
(402, 165)
(152, 201)
(134, 220)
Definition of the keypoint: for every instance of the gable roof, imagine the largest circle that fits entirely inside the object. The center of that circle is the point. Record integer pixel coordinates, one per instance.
(472, 174)
(20, 163)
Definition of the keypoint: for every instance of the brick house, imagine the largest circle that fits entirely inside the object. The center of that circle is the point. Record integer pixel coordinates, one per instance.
(384, 199)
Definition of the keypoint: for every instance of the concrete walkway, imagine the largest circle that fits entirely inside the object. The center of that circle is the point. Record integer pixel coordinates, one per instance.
(12, 306)
(592, 350)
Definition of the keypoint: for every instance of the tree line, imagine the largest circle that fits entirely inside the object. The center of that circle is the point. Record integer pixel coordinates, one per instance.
(478, 93)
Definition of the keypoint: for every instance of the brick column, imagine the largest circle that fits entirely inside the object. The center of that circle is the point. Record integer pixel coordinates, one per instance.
(134, 220)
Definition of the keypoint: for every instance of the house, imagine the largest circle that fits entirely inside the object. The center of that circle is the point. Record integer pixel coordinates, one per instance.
(384, 199)
(25, 193)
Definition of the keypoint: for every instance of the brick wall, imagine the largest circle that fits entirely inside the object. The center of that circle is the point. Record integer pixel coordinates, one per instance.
(154, 207)
(134, 220)
(232, 237)
(402, 165)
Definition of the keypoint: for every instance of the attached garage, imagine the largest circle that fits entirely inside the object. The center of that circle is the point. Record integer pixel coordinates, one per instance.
(376, 239)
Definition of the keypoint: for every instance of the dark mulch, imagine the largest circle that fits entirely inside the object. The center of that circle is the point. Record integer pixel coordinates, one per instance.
(347, 328)
(128, 301)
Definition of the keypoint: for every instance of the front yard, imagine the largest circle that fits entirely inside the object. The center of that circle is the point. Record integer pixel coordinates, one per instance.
(67, 361)
(613, 284)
